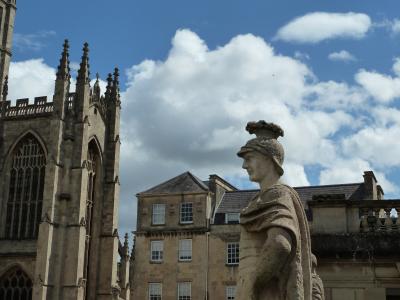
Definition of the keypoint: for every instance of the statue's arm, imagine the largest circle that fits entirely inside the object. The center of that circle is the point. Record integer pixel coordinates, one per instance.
(273, 256)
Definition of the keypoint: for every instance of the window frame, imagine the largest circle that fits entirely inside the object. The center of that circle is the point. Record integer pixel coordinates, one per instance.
(182, 251)
(186, 213)
(24, 176)
(159, 285)
(18, 274)
(184, 297)
(227, 221)
(160, 256)
(229, 295)
(154, 213)
(230, 255)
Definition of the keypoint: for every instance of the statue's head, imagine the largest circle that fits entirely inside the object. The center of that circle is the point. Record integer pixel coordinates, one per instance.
(263, 153)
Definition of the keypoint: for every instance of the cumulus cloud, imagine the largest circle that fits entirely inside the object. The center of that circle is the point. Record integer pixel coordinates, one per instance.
(396, 66)
(342, 55)
(379, 144)
(337, 95)
(188, 112)
(318, 26)
(349, 171)
(31, 78)
(383, 88)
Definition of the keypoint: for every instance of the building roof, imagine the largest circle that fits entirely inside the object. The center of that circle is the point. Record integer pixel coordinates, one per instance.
(351, 191)
(234, 201)
(183, 183)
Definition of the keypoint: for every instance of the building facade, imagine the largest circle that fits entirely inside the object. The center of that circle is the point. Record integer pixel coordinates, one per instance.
(59, 186)
(355, 237)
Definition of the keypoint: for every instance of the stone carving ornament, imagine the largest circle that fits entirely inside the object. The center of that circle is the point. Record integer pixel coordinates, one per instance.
(275, 250)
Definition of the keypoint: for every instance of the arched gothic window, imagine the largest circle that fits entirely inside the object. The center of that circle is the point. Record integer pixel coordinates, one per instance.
(25, 192)
(92, 167)
(15, 285)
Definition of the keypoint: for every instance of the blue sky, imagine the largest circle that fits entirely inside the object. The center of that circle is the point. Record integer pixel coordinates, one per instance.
(194, 72)
(136, 30)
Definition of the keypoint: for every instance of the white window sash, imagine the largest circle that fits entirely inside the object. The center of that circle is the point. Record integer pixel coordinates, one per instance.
(232, 217)
(184, 290)
(232, 255)
(185, 250)
(186, 213)
(230, 292)
(156, 250)
(155, 291)
(158, 215)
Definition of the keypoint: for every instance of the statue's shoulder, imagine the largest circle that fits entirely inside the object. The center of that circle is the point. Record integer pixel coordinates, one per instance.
(277, 191)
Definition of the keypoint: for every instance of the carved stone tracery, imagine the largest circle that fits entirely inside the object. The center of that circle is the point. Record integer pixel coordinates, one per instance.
(25, 192)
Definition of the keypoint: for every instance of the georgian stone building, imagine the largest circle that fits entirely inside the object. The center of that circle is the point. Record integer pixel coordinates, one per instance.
(59, 186)
(187, 239)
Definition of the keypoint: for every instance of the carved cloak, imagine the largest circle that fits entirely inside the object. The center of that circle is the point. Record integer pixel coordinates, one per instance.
(279, 206)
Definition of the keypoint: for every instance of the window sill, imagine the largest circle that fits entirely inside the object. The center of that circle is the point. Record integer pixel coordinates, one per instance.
(232, 265)
(184, 260)
(157, 262)
(185, 223)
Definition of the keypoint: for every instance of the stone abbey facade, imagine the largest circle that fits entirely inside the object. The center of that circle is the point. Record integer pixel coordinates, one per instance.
(59, 185)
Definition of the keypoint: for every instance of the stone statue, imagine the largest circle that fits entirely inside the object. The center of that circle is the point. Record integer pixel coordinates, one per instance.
(317, 285)
(275, 250)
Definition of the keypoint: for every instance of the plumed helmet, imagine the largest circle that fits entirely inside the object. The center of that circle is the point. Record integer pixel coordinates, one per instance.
(265, 142)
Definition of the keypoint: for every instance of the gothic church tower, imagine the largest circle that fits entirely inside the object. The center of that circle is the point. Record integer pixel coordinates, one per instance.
(59, 186)
(7, 17)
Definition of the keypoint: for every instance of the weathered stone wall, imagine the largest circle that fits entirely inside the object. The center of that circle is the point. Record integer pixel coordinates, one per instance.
(170, 271)
(200, 202)
(26, 263)
(220, 273)
(358, 279)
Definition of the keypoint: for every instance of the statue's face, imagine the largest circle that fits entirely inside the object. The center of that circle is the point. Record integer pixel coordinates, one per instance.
(257, 165)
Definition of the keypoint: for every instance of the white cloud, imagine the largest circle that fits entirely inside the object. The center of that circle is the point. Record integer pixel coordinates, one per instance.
(337, 95)
(191, 109)
(31, 78)
(301, 55)
(295, 175)
(34, 78)
(350, 170)
(395, 26)
(342, 55)
(391, 25)
(188, 112)
(32, 41)
(379, 145)
(396, 66)
(383, 88)
(318, 26)
(74, 66)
